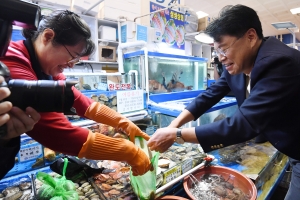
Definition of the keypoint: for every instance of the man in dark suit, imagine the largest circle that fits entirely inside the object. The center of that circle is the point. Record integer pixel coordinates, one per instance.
(271, 109)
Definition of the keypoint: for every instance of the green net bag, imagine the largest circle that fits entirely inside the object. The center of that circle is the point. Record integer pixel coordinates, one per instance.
(145, 186)
(56, 188)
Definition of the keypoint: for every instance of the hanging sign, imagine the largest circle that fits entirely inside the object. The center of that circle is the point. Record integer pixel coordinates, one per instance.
(171, 25)
(141, 33)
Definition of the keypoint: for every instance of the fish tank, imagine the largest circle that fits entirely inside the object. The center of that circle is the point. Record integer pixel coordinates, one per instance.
(166, 73)
(164, 108)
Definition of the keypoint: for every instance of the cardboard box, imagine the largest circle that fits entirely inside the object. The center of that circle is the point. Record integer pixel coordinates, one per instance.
(203, 23)
(107, 53)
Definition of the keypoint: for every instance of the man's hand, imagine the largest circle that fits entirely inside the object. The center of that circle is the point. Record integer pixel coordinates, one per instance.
(162, 139)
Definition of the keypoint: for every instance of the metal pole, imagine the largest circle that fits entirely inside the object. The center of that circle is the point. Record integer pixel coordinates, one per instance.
(152, 13)
(294, 37)
(92, 7)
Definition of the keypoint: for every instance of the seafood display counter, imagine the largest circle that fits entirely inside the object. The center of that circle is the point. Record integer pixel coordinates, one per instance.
(262, 163)
(113, 183)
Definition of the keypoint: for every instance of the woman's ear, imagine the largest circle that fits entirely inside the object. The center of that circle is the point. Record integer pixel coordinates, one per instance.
(47, 35)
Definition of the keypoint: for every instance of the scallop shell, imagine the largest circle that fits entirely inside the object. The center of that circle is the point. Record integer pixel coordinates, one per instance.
(114, 101)
(105, 186)
(103, 97)
(113, 192)
(164, 163)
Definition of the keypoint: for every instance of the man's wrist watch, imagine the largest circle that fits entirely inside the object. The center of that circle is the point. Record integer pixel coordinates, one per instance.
(179, 138)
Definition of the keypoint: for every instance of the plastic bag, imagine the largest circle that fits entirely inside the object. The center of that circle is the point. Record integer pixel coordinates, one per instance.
(145, 186)
(78, 168)
(56, 188)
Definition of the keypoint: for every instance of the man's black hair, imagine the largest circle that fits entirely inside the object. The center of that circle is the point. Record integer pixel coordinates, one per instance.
(234, 21)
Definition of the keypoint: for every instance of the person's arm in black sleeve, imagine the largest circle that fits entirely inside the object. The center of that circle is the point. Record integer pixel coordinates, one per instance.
(8, 152)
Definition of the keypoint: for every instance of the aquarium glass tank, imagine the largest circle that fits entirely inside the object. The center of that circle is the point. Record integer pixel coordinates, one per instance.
(167, 73)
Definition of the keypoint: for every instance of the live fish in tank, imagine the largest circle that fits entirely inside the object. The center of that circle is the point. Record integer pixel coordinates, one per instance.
(174, 85)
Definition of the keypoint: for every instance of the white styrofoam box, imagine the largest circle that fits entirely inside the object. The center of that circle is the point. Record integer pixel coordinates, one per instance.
(107, 33)
(83, 5)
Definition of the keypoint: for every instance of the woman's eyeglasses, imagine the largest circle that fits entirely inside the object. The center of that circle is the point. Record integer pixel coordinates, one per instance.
(74, 60)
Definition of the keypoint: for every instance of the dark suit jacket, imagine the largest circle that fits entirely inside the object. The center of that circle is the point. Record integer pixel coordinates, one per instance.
(272, 108)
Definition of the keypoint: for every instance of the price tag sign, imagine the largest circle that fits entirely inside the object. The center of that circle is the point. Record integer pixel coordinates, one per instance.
(187, 165)
(130, 100)
(102, 86)
(172, 174)
(30, 153)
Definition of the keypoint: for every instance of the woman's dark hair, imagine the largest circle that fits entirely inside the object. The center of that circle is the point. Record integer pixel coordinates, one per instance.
(234, 21)
(69, 29)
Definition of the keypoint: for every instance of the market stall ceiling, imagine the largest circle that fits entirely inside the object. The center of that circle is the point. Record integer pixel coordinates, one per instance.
(269, 11)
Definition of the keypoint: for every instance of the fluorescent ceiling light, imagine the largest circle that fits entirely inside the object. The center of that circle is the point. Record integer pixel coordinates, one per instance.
(201, 14)
(295, 11)
(284, 25)
(204, 38)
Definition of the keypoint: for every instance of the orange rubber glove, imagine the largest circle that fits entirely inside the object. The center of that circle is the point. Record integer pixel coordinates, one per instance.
(103, 114)
(102, 147)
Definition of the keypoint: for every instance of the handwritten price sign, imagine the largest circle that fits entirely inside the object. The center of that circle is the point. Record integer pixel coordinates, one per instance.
(130, 100)
(172, 174)
(30, 153)
(187, 165)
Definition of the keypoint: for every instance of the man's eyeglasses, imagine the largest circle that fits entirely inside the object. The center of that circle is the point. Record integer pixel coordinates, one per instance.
(73, 60)
(223, 52)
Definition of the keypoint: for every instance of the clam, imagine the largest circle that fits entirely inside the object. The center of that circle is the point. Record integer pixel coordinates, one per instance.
(103, 97)
(10, 191)
(113, 192)
(114, 101)
(105, 186)
(111, 181)
(118, 186)
(25, 185)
